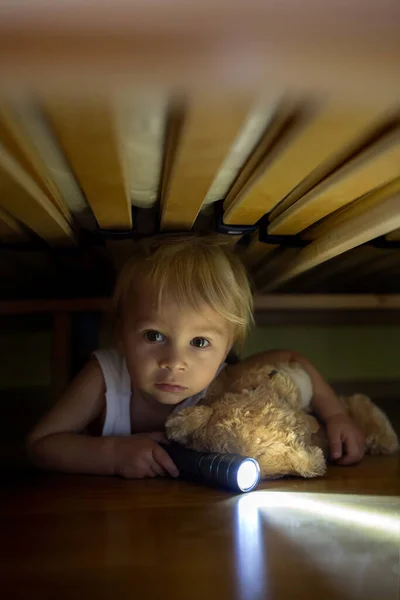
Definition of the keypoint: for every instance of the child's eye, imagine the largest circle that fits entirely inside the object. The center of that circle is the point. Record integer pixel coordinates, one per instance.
(154, 336)
(200, 342)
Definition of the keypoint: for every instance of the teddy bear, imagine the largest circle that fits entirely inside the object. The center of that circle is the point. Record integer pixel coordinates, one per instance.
(266, 414)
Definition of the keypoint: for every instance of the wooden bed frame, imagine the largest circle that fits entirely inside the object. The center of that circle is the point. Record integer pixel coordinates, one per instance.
(142, 117)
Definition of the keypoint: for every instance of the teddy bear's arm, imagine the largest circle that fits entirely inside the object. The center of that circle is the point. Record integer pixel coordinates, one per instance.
(270, 357)
(324, 402)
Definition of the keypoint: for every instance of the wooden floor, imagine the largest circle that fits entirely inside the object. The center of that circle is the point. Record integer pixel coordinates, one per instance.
(106, 538)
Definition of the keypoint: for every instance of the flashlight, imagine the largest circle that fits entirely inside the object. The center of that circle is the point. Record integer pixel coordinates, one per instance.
(232, 471)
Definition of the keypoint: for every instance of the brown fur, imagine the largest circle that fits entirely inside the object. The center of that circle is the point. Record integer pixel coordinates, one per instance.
(260, 415)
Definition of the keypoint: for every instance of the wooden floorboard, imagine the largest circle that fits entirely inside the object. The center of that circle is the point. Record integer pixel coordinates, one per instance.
(335, 537)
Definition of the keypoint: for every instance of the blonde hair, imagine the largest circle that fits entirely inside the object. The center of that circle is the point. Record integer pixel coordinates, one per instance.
(193, 268)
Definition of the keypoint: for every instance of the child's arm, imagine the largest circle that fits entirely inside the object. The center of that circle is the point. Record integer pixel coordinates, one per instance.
(347, 444)
(56, 442)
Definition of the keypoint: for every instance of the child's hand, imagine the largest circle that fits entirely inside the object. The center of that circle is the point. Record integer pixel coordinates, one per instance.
(139, 456)
(346, 440)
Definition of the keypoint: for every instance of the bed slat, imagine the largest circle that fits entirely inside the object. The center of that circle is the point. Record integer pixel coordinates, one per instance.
(319, 138)
(257, 251)
(357, 207)
(22, 198)
(377, 221)
(208, 130)
(14, 138)
(88, 133)
(237, 209)
(375, 167)
(31, 119)
(394, 235)
(10, 229)
(247, 143)
(142, 121)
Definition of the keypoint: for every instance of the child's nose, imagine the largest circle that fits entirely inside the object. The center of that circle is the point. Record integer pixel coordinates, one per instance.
(173, 361)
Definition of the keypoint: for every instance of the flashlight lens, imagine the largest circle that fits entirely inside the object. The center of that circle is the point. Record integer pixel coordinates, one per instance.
(248, 475)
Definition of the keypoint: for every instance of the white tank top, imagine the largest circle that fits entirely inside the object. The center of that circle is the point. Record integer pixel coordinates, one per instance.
(119, 395)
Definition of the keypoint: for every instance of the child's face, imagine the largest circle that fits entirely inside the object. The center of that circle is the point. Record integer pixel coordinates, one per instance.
(173, 352)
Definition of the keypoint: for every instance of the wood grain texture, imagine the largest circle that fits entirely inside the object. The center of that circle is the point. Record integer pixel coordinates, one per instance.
(208, 129)
(142, 118)
(320, 138)
(339, 273)
(87, 129)
(377, 221)
(394, 235)
(373, 168)
(256, 251)
(283, 302)
(244, 150)
(350, 263)
(18, 143)
(333, 302)
(273, 264)
(10, 230)
(355, 208)
(24, 200)
(378, 268)
(109, 538)
(238, 209)
(34, 128)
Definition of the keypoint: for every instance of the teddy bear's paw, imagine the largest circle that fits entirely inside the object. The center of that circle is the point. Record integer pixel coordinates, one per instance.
(299, 459)
(385, 442)
(185, 423)
(309, 462)
(380, 436)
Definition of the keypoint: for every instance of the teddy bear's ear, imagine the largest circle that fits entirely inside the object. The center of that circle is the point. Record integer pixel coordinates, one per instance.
(186, 422)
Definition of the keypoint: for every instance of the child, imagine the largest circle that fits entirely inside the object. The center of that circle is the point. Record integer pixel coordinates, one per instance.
(181, 303)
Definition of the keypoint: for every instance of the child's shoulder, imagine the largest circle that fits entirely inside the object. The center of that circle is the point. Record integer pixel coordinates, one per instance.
(109, 353)
(114, 370)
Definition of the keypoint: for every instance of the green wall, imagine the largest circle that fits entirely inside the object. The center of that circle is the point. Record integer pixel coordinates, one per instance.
(341, 353)
(25, 359)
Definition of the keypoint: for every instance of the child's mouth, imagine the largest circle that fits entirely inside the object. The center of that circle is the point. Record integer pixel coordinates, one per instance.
(170, 387)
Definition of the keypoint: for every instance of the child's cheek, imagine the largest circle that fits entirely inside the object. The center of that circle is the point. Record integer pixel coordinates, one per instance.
(142, 354)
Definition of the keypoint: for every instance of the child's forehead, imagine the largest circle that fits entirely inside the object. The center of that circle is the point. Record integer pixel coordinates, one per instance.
(149, 307)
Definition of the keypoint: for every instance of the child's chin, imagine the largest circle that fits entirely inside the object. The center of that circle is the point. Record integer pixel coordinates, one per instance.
(169, 398)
